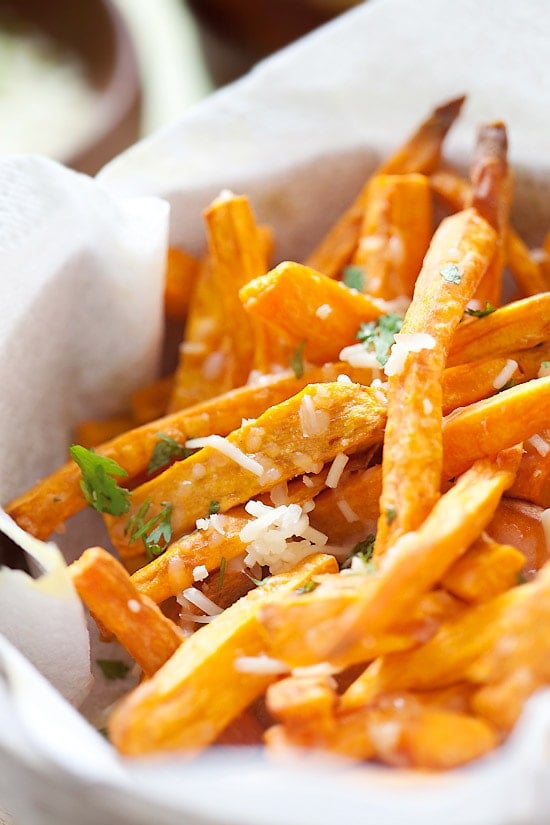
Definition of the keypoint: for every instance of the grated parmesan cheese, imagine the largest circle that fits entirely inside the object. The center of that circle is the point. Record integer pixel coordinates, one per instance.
(358, 356)
(406, 343)
(197, 598)
(323, 311)
(544, 369)
(349, 514)
(505, 374)
(279, 494)
(540, 445)
(271, 536)
(222, 445)
(198, 471)
(427, 406)
(134, 605)
(213, 366)
(313, 421)
(260, 664)
(200, 573)
(336, 470)
(344, 379)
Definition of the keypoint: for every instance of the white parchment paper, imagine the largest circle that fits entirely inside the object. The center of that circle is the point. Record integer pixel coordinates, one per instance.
(303, 129)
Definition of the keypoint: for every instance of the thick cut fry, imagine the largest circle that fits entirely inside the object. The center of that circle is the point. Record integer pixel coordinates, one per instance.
(105, 587)
(459, 254)
(529, 274)
(342, 621)
(200, 689)
(427, 737)
(58, 497)
(181, 273)
(420, 153)
(484, 571)
(307, 306)
(520, 524)
(495, 424)
(395, 235)
(516, 326)
(323, 419)
(533, 476)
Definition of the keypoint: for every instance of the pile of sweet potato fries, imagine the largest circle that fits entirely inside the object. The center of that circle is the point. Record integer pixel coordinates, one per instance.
(372, 427)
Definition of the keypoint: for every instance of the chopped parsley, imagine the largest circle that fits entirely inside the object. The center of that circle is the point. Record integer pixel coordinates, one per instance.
(165, 450)
(223, 566)
(354, 277)
(522, 578)
(481, 313)
(113, 668)
(451, 273)
(379, 335)
(213, 508)
(297, 360)
(508, 385)
(391, 515)
(98, 485)
(152, 531)
(363, 550)
(257, 582)
(308, 587)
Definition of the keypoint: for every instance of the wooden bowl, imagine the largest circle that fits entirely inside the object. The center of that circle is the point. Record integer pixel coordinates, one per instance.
(94, 32)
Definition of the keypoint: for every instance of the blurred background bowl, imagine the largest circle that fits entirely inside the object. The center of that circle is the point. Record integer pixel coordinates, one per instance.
(69, 77)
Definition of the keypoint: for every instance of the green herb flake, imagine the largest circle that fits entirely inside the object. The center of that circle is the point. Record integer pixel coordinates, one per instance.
(545, 364)
(391, 515)
(451, 273)
(354, 277)
(297, 360)
(522, 578)
(213, 508)
(365, 548)
(166, 450)
(113, 668)
(378, 336)
(98, 485)
(104, 732)
(223, 566)
(507, 386)
(481, 313)
(308, 587)
(257, 582)
(151, 531)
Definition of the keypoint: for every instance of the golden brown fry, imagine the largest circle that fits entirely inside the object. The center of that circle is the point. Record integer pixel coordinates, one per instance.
(533, 476)
(200, 689)
(94, 432)
(151, 402)
(344, 619)
(58, 497)
(105, 587)
(395, 234)
(517, 326)
(520, 524)
(323, 419)
(484, 571)
(494, 424)
(420, 153)
(307, 306)
(459, 254)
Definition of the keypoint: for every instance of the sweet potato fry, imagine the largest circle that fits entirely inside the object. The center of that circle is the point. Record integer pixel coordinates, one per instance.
(58, 497)
(181, 273)
(517, 326)
(105, 587)
(94, 432)
(341, 622)
(492, 197)
(200, 689)
(307, 306)
(484, 571)
(395, 234)
(533, 476)
(459, 254)
(325, 419)
(520, 524)
(420, 153)
(494, 424)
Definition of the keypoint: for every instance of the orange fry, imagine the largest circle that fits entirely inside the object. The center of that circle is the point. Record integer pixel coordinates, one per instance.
(533, 476)
(459, 254)
(307, 306)
(395, 235)
(324, 419)
(181, 273)
(420, 153)
(342, 621)
(105, 587)
(201, 688)
(484, 571)
(151, 402)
